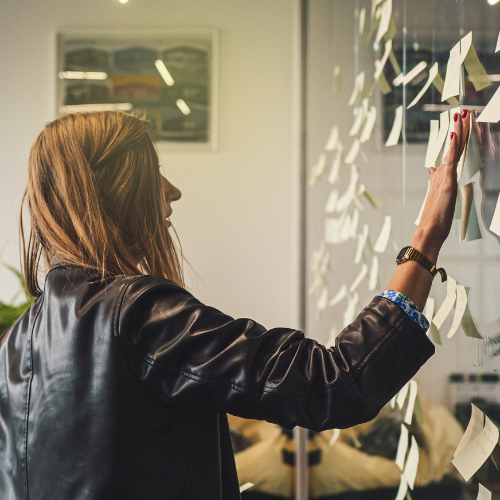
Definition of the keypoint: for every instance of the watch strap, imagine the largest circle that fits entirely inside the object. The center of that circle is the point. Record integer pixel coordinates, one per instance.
(413, 254)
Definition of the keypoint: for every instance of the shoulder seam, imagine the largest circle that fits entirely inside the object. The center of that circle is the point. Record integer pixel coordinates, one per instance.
(119, 300)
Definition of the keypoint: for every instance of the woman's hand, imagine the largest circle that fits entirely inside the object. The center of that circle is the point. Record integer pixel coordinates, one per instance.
(437, 216)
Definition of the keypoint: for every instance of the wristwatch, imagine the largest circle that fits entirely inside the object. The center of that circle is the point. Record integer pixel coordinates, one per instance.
(409, 253)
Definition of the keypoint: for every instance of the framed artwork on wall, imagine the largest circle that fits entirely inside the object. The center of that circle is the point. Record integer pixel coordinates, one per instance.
(167, 75)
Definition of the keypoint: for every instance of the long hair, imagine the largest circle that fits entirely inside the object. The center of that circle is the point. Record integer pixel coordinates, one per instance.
(95, 200)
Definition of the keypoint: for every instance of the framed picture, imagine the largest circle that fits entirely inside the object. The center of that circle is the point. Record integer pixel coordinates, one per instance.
(167, 75)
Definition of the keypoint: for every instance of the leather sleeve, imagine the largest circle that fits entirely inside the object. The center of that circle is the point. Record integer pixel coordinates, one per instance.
(192, 356)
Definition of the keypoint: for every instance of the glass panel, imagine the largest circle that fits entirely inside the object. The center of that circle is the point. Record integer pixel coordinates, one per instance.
(391, 181)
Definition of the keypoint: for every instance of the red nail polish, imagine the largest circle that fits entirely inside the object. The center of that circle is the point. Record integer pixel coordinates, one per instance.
(464, 113)
(451, 135)
(455, 116)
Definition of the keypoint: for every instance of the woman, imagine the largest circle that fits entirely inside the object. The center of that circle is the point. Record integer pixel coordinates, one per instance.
(117, 381)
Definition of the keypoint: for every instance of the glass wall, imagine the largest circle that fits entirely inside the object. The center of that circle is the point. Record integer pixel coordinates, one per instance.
(377, 73)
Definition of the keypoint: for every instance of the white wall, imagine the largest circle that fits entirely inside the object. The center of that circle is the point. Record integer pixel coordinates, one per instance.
(237, 217)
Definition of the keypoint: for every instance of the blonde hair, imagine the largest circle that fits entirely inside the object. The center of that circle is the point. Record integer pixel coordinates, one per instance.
(95, 200)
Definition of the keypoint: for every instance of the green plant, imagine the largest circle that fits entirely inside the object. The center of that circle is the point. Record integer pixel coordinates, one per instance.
(10, 313)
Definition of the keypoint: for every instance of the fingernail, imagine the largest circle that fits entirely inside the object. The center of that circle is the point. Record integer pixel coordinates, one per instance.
(464, 113)
(451, 135)
(455, 116)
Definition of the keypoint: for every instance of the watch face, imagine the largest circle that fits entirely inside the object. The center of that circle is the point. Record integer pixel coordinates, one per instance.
(401, 254)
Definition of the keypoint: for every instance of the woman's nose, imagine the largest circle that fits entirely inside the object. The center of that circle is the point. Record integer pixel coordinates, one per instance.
(175, 193)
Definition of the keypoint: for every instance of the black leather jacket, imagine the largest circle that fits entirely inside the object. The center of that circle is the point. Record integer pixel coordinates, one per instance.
(120, 389)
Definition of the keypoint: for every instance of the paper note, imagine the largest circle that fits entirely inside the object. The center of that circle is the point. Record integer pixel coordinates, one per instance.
(345, 228)
(371, 118)
(362, 16)
(361, 244)
(444, 127)
(474, 428)
(468, 325)
(447, 304)
(433, 72)
(245, 487)
(359, 84)
(379, 65)
(477, 73)
(353, 152)
(402, 490)
(354, 224)
(405, 79)
(383, 237)
(410, 472)
(359, 278)
(460, 306)
(467, 194)
(474, 454)
(385, 19)
(430, 156)
(483, 493)
(401, 396)
(473, 229)
(491, 112)
(461, 161)
(323, 299)
(433, 331)
(495, 221)
(350, 193)
(318, 169)
(331, 203)
(452, 79)
(336, 77)
(373, 279)
(331, 143)
(393, 138)
(350, 311)
(497, 48)
(356, 126)
(341, 294)
(334, 171)
(335, 436)
(412, 396)
(417, 220)
(402, 447)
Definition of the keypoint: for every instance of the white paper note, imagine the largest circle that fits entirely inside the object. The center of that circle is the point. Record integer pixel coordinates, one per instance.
(331, 203)
(354, 224)
(412, 395)
(430, 156)
(402, 447)
(401, 396)
(245, 487)
(393, 138)
(353, 152)
(379, 65)
(483, 493)
(385, 19)
(491, 112)
(405, 79)
(350, 193)
(334, 171)
(335, 436)
(331, 144)
(419, 216)
(359, 85)
(373, 280)
(474, 428)
(341, 294)
(362, 16)
(360, 117)
(460, 306)
(361, 244)
(447, 304)
(444, 127)
(452, 80)
(359, 278)
(433, 72)
(371, 118)
(495, 221)
(410, 472)
(433, 331)
(468, 325)
(383, 238)
(497, 48)
(470, 459)
(403, 489)
(317, 169)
